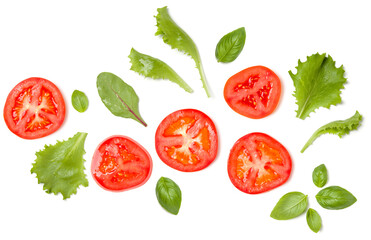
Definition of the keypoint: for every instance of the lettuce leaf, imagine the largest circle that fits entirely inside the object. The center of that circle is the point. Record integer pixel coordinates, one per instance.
(60, 167)
(155, 68)
(317, 83)
(177, 38)
(339, 128)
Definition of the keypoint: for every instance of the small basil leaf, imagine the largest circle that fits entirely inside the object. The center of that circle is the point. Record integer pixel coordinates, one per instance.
(168, 195)
(230, 45)
(335, 198)
(79, 101)
(119, 97)
(314, 220)
(319, 176)
(290, 206)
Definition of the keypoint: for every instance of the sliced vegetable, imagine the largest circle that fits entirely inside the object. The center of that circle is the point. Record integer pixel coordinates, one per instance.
(319, 176)
(34, 108)
(253, 92)
(155, 68)
(314, 220)
(291, 205)
(317, 84)
(60, 167)
(230, 45)
(168, 195)
(120, 163)
(335, 198)
(339, 128)
(187, 140)
(177, 38)
(119, 97)
(80, 101)
(258, 163)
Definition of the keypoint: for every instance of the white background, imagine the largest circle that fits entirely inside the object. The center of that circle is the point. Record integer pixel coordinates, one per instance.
(71, 42)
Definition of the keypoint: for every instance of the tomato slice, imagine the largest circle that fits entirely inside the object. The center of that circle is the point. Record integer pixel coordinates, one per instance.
(258, 163)
(119, 163)
(187, 140)
(34, 108)
(253, 92)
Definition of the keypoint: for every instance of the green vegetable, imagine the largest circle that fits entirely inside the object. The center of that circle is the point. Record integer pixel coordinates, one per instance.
(319, 176)
(290, 206)
(60, 167)
(168, 195)
(119, 97)
(80, 101)
(317, 83)
(335, 198)
(155, 68)
(340, 128)
(177, 38)
(314, 220)
(230, 45)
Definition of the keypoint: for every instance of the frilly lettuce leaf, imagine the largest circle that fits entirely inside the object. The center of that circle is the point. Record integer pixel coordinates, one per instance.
(317, 83)
(60, 167)
(339, 128)
(177, 38)
(155, 68)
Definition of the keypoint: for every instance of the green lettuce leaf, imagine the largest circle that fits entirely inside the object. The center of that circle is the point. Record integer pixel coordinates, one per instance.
(60, 167)
(155, 68)
(177, 38)
(317, 83)
(339, 128)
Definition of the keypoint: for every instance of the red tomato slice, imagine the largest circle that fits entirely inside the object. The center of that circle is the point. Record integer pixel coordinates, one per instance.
(187, 140)
(119, 163)
(253, 92)
(258, 163)
(34, 108)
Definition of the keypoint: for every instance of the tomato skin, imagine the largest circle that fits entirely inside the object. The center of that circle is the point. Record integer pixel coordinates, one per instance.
(52, 116)
(258, 163)
(253, 92)
(137, 161)
(190, 153)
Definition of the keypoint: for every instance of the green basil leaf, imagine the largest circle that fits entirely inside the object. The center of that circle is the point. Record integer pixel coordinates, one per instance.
(79, 101)
(119, 97)
(155, 68)
(314, 220)
(335, 198)
(290, 206)
(319, 176)
(168, 195)
(230, 45)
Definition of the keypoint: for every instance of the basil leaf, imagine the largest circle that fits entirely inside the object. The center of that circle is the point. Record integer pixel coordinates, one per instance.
(319, 176)
(79, 101)
(290, 206)
(119, 97)
(230, 45)
(314, 220)
(168, 195)
(335, 198)
(155, 68)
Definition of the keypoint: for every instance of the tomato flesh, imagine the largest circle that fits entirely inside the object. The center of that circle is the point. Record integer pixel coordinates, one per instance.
(34, 108)
(253, 92)
(258, 163)
(187, 140)
(119, 164)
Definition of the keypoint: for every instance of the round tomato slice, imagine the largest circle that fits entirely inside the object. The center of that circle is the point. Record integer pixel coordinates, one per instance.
(258, 163)
(253, 92)
(187, 140)
(119, 163)
(34, 108)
